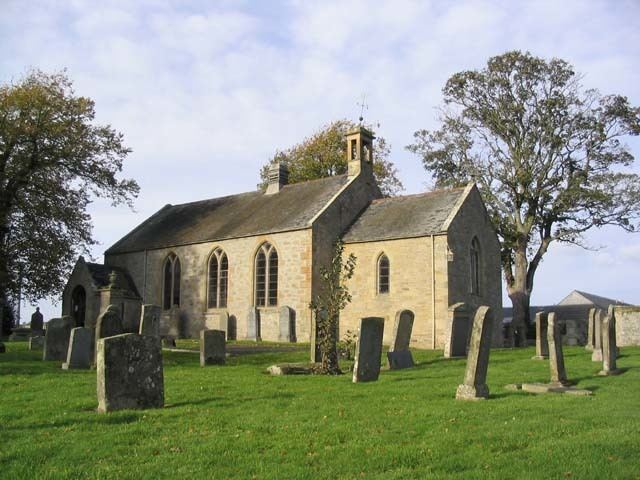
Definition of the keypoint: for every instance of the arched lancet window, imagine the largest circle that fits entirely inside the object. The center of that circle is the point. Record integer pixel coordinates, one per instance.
(383, 274)
(266, 276)
(474, 266)
(218, 279)
(171, 287)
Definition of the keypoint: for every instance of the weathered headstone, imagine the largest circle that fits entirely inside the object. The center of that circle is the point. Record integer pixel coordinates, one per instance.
(458, 332)
(36, 343)
(150, 320)
(399, 355)
(475, 377)
(212, 347)
(37, 323)
(286, 319)
(556, 357)
(56, 340)
(542, 343)
(591, 330)
(596, 356)
(80, 352)
(609, 346)
(253, 324)
(368, 350)
(108, 324)
(129, 372)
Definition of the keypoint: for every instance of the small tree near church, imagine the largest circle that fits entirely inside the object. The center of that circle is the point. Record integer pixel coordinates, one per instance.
(334, 296)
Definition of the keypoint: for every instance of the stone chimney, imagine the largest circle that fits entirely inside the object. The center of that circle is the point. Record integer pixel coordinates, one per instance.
(360, 151)
(278, 177)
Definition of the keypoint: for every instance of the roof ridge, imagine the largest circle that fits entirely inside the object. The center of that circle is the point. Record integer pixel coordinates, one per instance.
(421, 194)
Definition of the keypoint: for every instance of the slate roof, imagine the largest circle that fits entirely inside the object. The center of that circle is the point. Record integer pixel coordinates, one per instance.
(100, 274)
(404, 217)
(243, 215)
(597, 300)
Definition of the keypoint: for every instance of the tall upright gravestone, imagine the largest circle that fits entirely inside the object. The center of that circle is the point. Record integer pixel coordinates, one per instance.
(399, 355)
(56, 340)
(556, 357)
(253, 324)
(150, 320)
(129, 372)
(591, 330)
(286, 324)
(596, 356)
(80, 353)
(609, 345)
(542, 343)
(458, 332)
(368, 350)
(212, 347)
(475, 377)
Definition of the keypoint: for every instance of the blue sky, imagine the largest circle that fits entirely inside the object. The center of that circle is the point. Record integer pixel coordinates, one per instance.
(205, 92)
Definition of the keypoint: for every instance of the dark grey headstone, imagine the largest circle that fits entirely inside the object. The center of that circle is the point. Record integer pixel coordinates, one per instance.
(475, 377)
(458, 335)
(556, 356)
(213, 347)
(3, 349)
(80, 352)
(129, 371)
(36, 343)
(368, 350)
(286, 319)
(56, 340)
(109, 323)
(253, 324)
(542, 343)
(150, 320)
(37, 322)
(399, 355)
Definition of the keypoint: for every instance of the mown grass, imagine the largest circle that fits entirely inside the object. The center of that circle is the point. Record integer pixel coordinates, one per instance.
(236, 422)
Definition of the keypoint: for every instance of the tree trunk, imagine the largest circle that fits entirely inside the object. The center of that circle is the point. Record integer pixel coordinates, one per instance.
(329, 347)
(520, 295)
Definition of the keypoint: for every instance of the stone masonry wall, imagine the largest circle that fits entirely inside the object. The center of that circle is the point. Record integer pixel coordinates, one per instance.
(627, 326)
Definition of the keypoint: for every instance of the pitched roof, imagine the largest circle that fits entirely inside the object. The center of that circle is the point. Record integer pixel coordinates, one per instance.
(243, 215)
(406, 216)
(590, 298)
(100, 275)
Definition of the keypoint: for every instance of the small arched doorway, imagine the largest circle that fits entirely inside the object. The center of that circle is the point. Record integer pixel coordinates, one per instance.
(78, 305)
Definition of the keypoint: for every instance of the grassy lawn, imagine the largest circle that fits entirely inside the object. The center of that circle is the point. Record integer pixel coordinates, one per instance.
(236, 422)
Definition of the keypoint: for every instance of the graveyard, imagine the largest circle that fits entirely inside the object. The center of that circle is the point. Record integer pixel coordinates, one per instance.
(233, 420)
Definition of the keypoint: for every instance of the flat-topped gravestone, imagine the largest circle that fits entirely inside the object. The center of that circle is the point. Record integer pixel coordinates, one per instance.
(150, 320)
(80, 352)
(37, 323)
(609, 346)
(56, 340)
(591, 330)
(129, 372)
(36, 343)
(368, 350)
(286, 321)
(556, 356)
(213, 348)
(399, 355)
(253, 324)
(458, 332)
(542, 343)
(596, 356)
(475, 377)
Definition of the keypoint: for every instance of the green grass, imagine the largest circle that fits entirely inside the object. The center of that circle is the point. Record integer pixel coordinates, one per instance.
(236, 422)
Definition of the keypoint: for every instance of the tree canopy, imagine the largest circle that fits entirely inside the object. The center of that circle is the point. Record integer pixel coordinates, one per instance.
(323, 154)
(547, 155)
(53, 160)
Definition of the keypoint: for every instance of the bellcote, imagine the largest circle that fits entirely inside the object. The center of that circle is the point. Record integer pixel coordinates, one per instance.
(360, 151)
(278, 177)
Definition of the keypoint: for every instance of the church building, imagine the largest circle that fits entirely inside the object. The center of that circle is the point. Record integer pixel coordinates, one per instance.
(244, 262)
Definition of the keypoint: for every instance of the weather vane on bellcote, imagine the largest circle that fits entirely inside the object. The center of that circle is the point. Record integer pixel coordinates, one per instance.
(363, 106)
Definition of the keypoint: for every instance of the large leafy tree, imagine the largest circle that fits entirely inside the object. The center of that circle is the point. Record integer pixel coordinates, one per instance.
(547, 155)
(53, 159)
(323, 154)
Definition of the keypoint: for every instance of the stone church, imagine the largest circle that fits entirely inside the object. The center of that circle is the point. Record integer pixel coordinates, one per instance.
(241, 262)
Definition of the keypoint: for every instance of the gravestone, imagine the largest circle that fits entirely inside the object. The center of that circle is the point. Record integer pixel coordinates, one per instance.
(399, 355)
(253, 324)
(590, 330)
(108, 324)
(542, 343)
(286, 320)
(223, 323)
(3, 349)
(36, 343)
(556, 357)
(458, 339)
(609, 346)
(129, 372)
(150, 320)
(212, 347)
(596, 356)
(368, 350)
(56, 339)
(37, 323)
(80, 353)
(475, 377)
